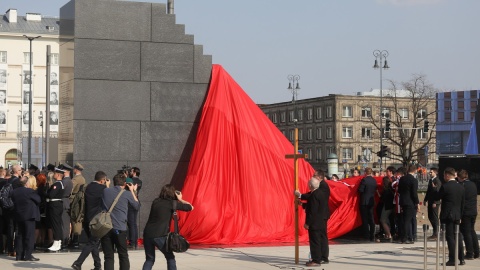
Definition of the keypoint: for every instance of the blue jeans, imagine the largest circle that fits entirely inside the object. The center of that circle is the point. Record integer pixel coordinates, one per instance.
(149, 245)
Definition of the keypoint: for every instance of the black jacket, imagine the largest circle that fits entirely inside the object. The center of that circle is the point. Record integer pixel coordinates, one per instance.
(429, 196)
(26, 201)
(317, 206)
(470, 208)
(452, 195)
(367, 189)
(158, 223)
(407, 188)
(93, 200)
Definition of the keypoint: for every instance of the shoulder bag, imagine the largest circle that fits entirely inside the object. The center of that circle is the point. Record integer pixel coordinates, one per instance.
(101, 223)
(175, 241)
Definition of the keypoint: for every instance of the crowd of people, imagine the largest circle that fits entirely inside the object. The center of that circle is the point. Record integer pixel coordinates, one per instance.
(453, 202)
(48, 210)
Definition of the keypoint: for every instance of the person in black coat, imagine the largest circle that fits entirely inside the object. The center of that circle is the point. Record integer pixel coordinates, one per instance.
(407, 188)
(367, 189)
(158, 225)
(452, 195)
(467, 227)
(317, 215)
(433, 205)
(26, 201)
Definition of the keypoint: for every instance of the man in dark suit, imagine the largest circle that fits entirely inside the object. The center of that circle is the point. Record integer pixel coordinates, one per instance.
(452, 195)
(367, 189)
(433, 205)
(407, 188)
(467, 227)
(317, 215)
(26, 201)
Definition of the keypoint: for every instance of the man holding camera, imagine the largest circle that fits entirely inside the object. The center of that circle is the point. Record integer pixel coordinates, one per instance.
(132, 221)
(118, 235)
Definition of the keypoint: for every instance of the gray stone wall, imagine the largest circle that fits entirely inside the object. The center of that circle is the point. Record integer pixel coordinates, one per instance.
(138, 84)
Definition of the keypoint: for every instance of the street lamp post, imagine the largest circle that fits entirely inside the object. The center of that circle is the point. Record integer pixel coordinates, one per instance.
(40, 118)
(30, 102)
(381, 56)
(294, 86)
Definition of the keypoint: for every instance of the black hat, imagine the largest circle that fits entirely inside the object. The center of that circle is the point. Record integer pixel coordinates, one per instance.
(66, 167)
(33, 167)
(78, 166)
(51, 167)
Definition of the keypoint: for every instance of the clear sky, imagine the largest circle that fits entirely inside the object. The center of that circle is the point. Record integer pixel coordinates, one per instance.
(328, 43)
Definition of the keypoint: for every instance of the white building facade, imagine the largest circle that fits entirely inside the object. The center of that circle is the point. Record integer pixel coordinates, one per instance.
(18, 79)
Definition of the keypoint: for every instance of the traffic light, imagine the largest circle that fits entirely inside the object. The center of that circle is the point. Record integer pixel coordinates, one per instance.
(425, 126)
(387, 125)
(383, 151)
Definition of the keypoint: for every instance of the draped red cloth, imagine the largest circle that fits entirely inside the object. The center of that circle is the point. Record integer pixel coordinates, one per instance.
(239, 180)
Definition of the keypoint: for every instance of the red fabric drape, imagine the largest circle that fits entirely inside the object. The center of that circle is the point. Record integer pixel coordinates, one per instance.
(239, 180)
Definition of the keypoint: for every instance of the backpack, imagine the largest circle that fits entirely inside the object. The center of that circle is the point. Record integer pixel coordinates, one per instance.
(6, 196)
(77, 207)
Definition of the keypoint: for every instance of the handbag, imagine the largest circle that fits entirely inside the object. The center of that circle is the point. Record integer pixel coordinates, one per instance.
(101, 223)
(175, 241)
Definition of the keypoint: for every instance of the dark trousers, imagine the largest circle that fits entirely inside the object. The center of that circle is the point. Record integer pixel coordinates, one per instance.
(118, 239)
(408, 216)
(467, 227)
(90, 247)
(11, 226)
(149, 245)
(450, 237)
(433, 217)
(66, 221)
(25, 239)
(368, 224)
(132, 224)
(55, 210)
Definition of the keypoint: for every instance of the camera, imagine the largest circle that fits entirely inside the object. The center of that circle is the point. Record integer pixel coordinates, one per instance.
(125, 169)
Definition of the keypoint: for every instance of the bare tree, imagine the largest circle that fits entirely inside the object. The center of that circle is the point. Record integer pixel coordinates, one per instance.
(407, 105)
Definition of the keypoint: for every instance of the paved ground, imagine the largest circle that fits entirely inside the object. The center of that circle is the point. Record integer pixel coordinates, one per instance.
(344, 254)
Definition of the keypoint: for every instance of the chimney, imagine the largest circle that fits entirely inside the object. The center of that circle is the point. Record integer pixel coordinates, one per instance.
(11, 15)
(170, 7)
(33, 17)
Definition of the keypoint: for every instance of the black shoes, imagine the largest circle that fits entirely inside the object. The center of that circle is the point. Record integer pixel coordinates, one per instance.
(76, 267)
(452, 263)
(32, 259)
(324, 261)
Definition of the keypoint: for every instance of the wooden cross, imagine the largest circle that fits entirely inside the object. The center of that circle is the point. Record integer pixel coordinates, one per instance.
(295, 158)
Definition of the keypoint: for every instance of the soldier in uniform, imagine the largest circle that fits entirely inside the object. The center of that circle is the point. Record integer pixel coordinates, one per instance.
(55, 209)
(68, 186)
(78, 181)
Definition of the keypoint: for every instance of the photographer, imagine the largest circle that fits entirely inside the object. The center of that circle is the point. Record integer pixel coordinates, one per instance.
(132, 221)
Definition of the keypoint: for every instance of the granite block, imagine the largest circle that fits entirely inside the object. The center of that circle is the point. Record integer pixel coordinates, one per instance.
(107, 60)
(162, 62)
(181, 102)
(113, 20)
(112, 100)
(202, 65)
(67, 20)
(164, 28)
(107, 140)
(167, 141)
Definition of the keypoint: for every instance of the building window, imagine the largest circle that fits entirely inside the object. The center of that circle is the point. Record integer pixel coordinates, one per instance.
(422, 114)
(385, 113)
(404, 133)
(309, 114)
(347, 153)
(319, 153)
(319, 133)
(329, 132)
(292, 135)
(300, 115)
(309, 153)
(54, 59)
(366, 112)
(366, 133)
(461, 116)
(448, 116)
(403, 113)
(291, 116)
(329, 111)
(319, 112)
(347, 111)
(300, 134)
(420, 134)
(274, 118)
(26, 57)
(347, 132)
(282, 117)
(284, 133)
(3, 57)
(461, 104)
(309, 134)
